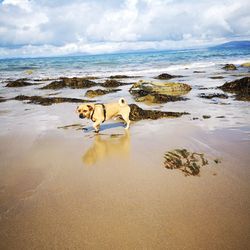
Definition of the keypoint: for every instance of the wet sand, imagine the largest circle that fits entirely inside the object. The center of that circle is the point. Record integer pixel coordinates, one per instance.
(70, 189)
(64, 187)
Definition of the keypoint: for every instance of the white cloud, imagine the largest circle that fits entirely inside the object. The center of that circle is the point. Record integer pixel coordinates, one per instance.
(23, 4)
(44, 27)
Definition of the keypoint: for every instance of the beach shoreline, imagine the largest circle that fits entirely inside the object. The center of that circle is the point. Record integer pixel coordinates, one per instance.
(65, 187)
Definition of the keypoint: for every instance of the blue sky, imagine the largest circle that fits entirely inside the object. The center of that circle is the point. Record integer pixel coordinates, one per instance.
(60, 27)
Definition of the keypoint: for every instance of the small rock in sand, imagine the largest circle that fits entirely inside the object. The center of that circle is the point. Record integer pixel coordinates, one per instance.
(206, 116)
(229, 67)
(214, 95)
(121, 77)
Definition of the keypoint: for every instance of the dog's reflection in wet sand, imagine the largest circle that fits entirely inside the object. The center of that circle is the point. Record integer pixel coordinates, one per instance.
(107, 146)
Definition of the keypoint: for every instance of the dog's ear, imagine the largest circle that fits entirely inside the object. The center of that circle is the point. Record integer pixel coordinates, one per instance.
(90, 107)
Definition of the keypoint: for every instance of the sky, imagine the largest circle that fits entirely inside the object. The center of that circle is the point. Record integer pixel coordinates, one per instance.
(30, 28)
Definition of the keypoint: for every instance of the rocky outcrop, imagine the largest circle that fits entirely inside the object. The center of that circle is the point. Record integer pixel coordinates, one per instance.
(45, 101)
(166, 76)
(206, 116)
(245, 65)
(74, 83)
(18, 83)
(137, 114)
(121, 77)
(113, 84)
(229, 67)
(187, 162)
(97, 92)
(2, 99)
(159, 92)
(55, 85)
(214, 95)
(216, 77)
(159, 98)
(240, 87)
(199, 71)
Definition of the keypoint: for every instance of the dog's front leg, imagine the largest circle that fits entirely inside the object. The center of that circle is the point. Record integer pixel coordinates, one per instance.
(96, 126)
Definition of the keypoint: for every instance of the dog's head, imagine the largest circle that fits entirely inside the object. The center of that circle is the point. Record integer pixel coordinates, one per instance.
(84, 110)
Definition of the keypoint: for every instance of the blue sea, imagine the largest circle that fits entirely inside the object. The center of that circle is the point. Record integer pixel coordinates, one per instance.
(143, 64)
(199, 68)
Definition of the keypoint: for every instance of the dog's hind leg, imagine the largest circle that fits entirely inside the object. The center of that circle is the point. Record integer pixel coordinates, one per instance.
(128, 123)
(96, 126)
(126, 119)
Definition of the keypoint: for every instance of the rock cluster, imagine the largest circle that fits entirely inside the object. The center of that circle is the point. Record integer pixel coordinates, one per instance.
(240, 87)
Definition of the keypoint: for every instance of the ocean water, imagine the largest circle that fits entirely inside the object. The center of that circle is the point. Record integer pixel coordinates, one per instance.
(197, 68)
(143, 64)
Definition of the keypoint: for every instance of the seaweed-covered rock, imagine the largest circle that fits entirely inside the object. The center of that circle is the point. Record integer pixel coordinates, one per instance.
(97, 92)
(74, 83)
(18, 83)
(55, 85)
(2, 99)
(206, 116)
(159, 92)
(229, 67)
(45, 101)
(199, 71)
(113, 84)
(120, 77)
(187, 162)
(159, 98)
(216, 77)
(165, 76)
(240, 87)
(78, 82)
(214, 95)
(137, 113)
(167, 88)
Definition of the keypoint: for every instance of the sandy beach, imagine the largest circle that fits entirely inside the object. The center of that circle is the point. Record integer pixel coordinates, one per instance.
(64, 187)
(124, 125)
(65, 190)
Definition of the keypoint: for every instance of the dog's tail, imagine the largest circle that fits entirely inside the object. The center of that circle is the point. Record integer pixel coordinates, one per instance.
(122, 102)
